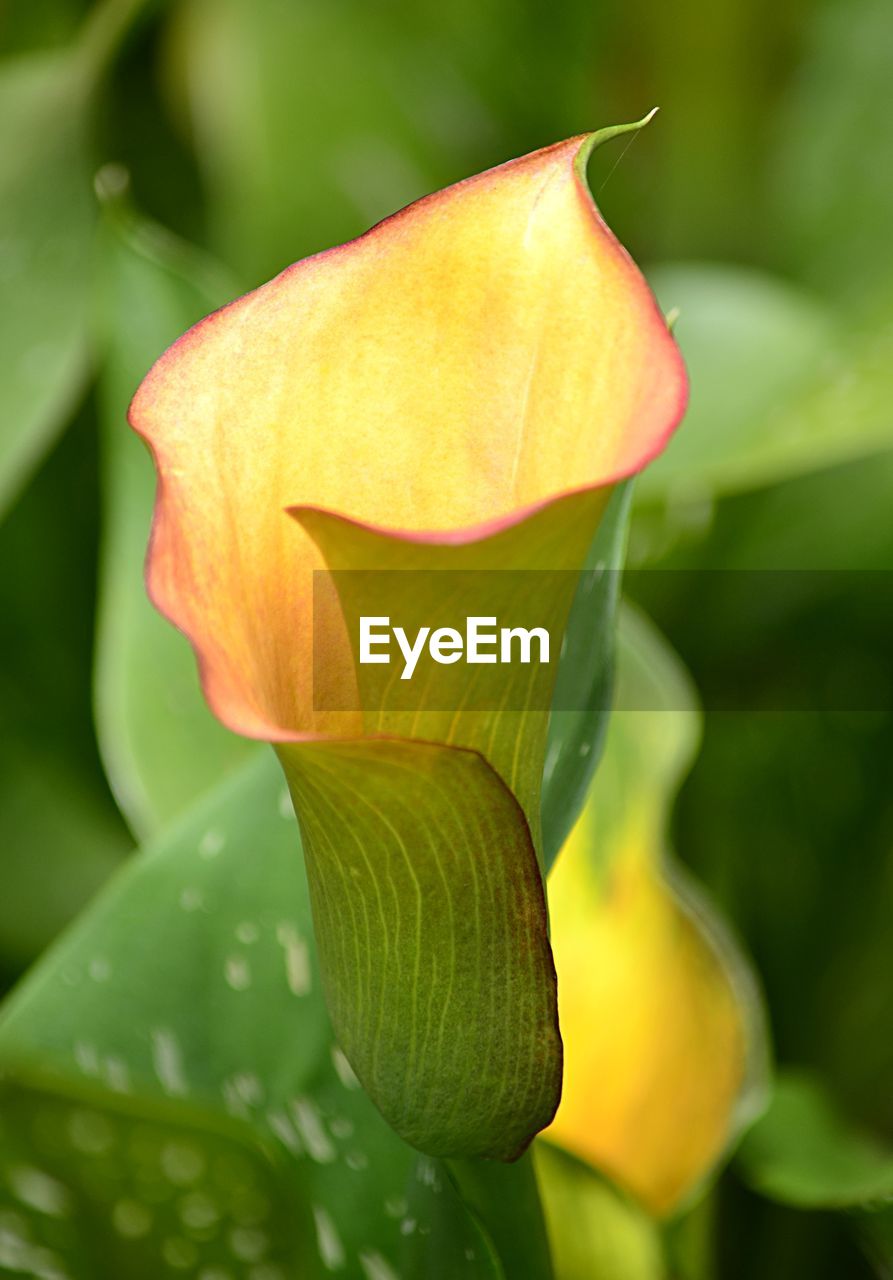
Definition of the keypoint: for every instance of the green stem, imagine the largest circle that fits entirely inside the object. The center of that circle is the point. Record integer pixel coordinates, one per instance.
(505, 1198)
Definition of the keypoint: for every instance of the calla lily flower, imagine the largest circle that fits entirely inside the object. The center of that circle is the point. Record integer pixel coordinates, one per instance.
(459, 388)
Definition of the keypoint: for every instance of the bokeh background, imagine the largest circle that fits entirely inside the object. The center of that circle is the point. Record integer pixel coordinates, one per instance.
(240, 135)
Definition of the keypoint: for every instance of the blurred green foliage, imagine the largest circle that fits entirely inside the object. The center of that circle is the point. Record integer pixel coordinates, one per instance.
(761, 199)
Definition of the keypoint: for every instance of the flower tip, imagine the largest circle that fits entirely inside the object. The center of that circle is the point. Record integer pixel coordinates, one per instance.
(592, 141)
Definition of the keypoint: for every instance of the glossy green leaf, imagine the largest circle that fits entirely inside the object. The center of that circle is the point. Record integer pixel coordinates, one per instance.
(161, 746)
(453, 1241)
(778, 386)
(46, 230)
(226, 1015)
(585, 678)
(507, 1201)
(47, 216)
(96, 1185)
(804, 1153)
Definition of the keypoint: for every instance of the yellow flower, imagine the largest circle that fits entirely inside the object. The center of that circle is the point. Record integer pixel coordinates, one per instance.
(459, 388)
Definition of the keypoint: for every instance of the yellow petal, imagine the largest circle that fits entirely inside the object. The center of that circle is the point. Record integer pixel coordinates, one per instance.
(660, 1026)
(488, 350)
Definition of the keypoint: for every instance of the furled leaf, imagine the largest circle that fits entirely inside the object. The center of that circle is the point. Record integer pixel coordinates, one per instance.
(583, 688)
(431, 923)
(160, 744)
(663, 1038)
(227, 1015)
(804, 1153)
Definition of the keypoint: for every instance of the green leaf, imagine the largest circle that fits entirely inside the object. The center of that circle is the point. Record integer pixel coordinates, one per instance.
(507, 1201)
(582, 698)
(444, 1251)
(95, 1186)
(750, 343)
(60, 843)
(398, 122)
(595, 1230)
(777, 386)
(802, 1152)
(875, 1231)
(46, 230)
(227, 1016)
(160, 744)
(431, 923)
(832, 196)
(47, 216)
(60, 832)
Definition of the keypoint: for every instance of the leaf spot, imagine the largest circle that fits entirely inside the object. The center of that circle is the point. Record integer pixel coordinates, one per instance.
(168, 1063)
(90, 1133)
(343, 1069)
(297, 959)
(117, 1075)
(198, 1212)
(341, 1127)
(248, 1245)
(237, 973)
(182, 1163)
(328, 1242)
(282, 1128)
(375, 1267)
(211, 843)
(99, 969)
(87, 1058)
(178, 1253)
(192, 899)
(247, 932)
(266, 1271)
(39, 1191)
(310, 1129)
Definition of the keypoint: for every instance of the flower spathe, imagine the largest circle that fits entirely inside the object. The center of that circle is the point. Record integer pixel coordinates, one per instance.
(489, 349)
(458, 388)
